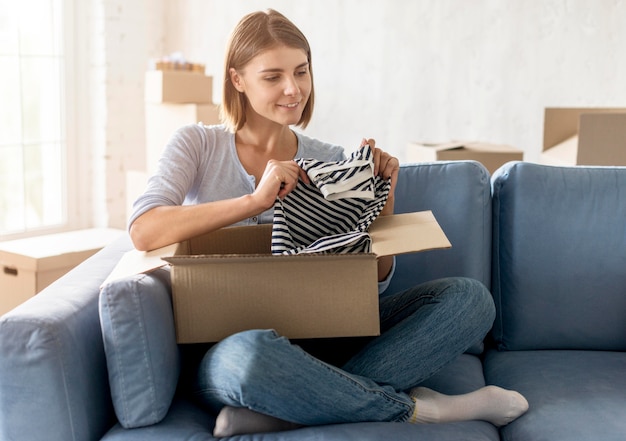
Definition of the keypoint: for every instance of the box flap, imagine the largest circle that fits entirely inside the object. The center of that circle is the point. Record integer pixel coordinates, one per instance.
(407, 233)
(136, 262)
(249, 239)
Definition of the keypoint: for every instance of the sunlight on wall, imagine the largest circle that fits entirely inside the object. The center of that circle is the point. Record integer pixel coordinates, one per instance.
(402, 71)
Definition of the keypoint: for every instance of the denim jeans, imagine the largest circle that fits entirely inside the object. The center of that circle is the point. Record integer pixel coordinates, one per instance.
(422, 329)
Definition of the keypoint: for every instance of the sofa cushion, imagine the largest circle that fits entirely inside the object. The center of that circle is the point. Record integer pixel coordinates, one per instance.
(559, 257)
(459, 195)
(572, 395)
(142, 356)
(188, 421)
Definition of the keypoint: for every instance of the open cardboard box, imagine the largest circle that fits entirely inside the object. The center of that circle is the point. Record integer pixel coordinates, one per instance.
(492, 156)
(228, 281)
(584, 136)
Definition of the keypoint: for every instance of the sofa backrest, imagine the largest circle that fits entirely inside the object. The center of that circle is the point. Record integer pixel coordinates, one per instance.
(559, 257)
(459, 195)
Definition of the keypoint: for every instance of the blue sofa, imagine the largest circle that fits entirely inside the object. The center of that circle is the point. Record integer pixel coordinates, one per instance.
(550, 242)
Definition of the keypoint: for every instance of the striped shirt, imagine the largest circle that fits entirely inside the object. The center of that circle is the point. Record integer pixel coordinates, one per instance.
(334, 212)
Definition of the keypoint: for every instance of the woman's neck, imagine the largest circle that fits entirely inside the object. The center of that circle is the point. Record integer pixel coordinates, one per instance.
(255, 148)
(275, 141)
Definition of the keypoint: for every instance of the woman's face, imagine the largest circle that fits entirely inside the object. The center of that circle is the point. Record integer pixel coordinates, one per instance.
(277, 83)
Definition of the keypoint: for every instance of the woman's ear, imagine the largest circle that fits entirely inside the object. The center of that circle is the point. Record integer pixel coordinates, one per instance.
(236, 79)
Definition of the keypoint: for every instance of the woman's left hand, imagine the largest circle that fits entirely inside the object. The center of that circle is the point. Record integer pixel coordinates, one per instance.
(385, 165)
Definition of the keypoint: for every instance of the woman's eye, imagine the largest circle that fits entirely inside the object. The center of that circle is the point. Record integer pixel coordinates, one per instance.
(272, 78)
(302, 72)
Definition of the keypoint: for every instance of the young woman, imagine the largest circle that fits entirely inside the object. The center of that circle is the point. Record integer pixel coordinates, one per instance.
(216, 176)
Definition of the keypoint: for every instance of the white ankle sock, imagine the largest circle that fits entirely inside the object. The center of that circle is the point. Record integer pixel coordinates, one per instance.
(490, 403)
(238, 420)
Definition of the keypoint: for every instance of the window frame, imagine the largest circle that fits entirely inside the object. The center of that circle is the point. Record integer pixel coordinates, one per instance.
(76, 157)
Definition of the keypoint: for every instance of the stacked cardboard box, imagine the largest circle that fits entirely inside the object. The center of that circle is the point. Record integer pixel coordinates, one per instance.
(492, 156)
(584, 136)
(174, 97)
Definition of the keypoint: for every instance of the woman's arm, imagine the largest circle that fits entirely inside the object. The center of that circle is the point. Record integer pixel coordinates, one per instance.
(167, 224)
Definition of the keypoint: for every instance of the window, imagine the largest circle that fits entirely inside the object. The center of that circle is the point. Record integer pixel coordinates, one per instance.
(33, 119)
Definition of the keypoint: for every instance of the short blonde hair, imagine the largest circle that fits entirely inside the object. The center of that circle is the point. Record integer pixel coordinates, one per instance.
(256, 33)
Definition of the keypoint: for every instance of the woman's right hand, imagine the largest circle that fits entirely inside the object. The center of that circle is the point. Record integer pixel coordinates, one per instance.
(278, 180)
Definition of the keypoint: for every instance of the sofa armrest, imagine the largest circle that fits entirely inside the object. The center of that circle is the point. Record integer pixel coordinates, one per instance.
(53, 377)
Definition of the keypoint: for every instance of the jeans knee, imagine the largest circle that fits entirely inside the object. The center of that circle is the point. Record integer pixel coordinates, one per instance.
(484, 300)
(246, 348)
(243, 353)
(234, 365)
(483, 304)
(474, 298)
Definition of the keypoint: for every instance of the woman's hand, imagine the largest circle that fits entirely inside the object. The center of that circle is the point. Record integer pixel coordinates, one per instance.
(386, 166)
(279, 179)
(165, 225)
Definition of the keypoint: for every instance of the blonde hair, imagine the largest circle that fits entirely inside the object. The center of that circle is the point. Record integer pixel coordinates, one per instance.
(256, 33)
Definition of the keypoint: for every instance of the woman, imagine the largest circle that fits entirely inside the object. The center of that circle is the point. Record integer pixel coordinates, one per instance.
(217, 176)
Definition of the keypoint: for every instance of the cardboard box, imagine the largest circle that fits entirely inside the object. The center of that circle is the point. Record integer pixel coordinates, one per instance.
(228, 281)
(584, 136)
(178, 86)
(162, 120)
(492, 156)
(29, 265)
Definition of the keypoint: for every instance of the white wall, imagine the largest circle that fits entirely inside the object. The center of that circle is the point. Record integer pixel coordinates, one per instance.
(120, 39)
(394, 70)
(403, 70)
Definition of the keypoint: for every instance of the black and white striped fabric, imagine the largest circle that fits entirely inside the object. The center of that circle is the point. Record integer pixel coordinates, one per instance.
(334, 212)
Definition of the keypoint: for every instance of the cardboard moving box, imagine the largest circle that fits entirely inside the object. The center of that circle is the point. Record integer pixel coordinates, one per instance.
(29, 265)
(584, 136)
(177, 86)
(492, 156)
(162, 120)
(228, 281)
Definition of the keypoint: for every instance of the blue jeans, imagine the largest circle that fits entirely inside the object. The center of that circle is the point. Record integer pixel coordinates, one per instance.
(422, 329)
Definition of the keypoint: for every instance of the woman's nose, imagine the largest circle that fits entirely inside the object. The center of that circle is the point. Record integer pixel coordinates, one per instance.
(291, 86)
